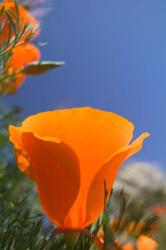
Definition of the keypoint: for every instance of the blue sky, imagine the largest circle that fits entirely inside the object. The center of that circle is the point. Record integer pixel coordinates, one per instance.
(115, 54)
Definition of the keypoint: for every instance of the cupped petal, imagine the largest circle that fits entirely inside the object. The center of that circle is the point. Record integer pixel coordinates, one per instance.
(55, 167)
(15, 136)
(107, 174)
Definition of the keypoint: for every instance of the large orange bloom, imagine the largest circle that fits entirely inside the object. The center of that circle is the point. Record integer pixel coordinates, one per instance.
(143, 243)
(25, 18)
(70, 154)
(21, 56)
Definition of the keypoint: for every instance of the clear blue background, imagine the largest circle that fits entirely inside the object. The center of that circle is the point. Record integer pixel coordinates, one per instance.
(115, 54)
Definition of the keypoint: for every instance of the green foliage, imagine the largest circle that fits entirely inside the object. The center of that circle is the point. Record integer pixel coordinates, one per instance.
(16, 33)
(16, 36)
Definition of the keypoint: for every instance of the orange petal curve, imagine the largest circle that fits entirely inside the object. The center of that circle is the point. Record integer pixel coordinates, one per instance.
(57, 174)
(15, 136)
(107, 174)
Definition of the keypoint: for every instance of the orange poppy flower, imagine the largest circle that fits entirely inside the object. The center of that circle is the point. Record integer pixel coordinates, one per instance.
(143, 243)
(21, 56)
(159, 209)
(25, 18)
(70, 154)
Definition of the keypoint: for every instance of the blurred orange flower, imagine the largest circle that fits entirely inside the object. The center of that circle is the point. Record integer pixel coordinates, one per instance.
(133, 230)
(143, 243)
(21, 56)
(70, 154)
(159, 209)
(20, 19)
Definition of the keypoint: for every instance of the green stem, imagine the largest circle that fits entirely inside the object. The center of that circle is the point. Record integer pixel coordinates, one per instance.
(71, 239)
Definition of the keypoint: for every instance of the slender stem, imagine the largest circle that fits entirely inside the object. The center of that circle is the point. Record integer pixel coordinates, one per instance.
(68, 231)
(71, 235)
